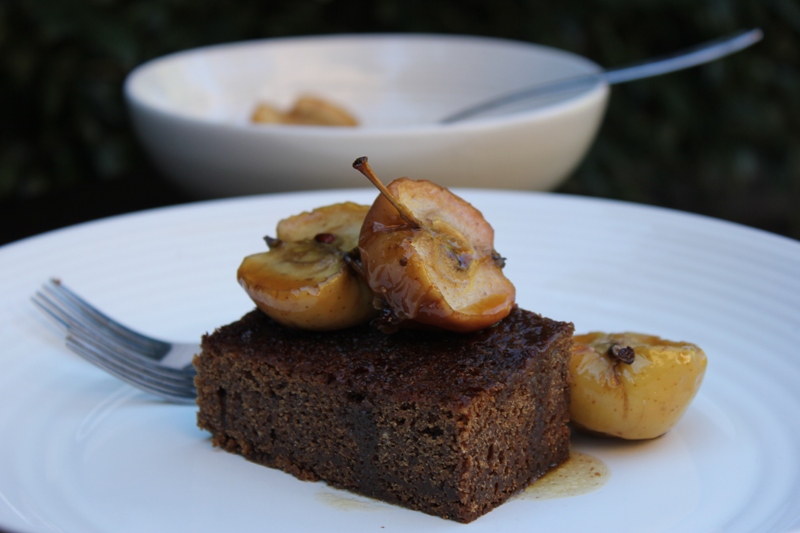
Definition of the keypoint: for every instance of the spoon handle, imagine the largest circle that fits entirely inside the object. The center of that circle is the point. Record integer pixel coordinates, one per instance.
(698, 55)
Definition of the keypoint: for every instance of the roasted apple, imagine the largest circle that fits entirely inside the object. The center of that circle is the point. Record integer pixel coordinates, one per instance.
(429, 256)
(305, 279)
(308, 111)
(343, 221)
(312, 110)
(267, 114)
(631, 385)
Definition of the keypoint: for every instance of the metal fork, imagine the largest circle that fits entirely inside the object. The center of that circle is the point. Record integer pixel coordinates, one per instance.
(156, 366)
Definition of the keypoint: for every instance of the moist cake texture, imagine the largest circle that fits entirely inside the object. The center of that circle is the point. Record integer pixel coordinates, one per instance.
(448, 424)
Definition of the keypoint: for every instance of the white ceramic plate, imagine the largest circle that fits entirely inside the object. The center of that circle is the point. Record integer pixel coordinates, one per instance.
(81, 452)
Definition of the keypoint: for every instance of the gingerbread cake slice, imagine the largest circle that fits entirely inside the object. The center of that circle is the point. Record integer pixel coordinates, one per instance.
(447, 424)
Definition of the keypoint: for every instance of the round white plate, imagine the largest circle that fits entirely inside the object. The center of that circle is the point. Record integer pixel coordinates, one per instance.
(81, 452)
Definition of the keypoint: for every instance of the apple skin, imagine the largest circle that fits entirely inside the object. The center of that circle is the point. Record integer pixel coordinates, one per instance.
(443, 273)
(641, 400)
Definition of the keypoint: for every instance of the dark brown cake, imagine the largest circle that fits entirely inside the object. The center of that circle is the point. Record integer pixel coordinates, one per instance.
(448, 424)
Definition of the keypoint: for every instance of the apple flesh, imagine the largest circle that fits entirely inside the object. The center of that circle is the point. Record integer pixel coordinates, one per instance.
(642, 399)
(342, 220)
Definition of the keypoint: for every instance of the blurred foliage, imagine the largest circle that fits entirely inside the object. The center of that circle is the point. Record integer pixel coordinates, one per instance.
(723, 139)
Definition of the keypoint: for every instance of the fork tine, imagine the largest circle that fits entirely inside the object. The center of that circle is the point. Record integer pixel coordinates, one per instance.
(78, 325)
(109, 342)
(132, 362)
(177, 356)
(178, 390)
(124, 353)
(79, 313)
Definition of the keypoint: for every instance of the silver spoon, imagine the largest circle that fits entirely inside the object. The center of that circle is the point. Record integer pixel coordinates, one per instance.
(698, 55)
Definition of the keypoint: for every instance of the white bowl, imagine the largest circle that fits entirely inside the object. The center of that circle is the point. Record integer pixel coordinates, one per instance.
(191, 111)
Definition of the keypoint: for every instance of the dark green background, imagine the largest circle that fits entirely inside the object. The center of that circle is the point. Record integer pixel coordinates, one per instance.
(722, 139)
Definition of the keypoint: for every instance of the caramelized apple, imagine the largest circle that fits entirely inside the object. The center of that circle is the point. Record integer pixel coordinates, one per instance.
(429, 256)
(266, 114)
(342, 220)
(308, 111)
(312, 110)
(631, 385)
(305, 279)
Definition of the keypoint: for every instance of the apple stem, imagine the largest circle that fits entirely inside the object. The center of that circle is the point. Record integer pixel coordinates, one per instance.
(362, 165)
(626, 354)
(272, 242)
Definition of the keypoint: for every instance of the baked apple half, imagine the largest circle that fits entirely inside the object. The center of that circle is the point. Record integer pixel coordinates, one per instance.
(429, 256)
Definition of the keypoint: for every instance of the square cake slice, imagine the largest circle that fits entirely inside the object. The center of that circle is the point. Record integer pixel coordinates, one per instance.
(448, 424)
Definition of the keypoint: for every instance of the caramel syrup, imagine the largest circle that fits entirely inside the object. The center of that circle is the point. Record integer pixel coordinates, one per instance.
(580, 474)
(345, 501)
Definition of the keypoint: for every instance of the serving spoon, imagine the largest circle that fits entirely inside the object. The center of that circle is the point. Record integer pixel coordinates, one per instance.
(698, 55)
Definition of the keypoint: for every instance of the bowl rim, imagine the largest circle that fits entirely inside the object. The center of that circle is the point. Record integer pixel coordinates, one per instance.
(597, 90)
